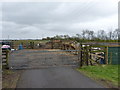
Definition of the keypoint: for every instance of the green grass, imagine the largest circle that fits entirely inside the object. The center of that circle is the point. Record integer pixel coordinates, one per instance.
(106, 73)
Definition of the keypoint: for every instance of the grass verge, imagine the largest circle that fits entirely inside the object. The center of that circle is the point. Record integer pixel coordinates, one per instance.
(10, 78)
(107, 74)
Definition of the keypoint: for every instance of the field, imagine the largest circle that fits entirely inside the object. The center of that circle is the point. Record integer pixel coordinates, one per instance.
(107, 74)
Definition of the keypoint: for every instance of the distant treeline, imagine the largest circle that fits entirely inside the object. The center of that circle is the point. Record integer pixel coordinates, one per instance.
(89, 35)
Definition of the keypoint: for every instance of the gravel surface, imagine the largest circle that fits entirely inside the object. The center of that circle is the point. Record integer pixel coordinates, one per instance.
(34, 59)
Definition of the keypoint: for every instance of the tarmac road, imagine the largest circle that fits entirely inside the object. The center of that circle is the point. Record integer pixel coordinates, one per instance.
(55, 77)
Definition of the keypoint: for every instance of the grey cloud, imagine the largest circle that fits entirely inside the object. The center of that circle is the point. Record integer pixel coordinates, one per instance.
(31, 13)
(33, 31)
(31, 19)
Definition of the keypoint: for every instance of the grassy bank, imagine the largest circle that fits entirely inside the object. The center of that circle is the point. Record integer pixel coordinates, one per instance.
(107, 74)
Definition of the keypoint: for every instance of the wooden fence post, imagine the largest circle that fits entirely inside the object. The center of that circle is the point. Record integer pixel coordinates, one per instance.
(90, 55)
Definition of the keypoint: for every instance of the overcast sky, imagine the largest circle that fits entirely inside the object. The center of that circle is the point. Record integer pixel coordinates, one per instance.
(41, 19)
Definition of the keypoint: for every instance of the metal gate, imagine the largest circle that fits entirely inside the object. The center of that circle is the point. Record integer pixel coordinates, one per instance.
(42, 58)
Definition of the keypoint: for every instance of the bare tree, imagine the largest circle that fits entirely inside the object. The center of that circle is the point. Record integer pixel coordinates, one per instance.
(66, 36)
(101, 34)
(87, 32)
(116, 34)
(91, 34)
(110, 34)
(78, 36)
(83, 34)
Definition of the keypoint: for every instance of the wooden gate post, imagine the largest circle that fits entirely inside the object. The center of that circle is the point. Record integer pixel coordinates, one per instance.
(87, 56)
(80, 55)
